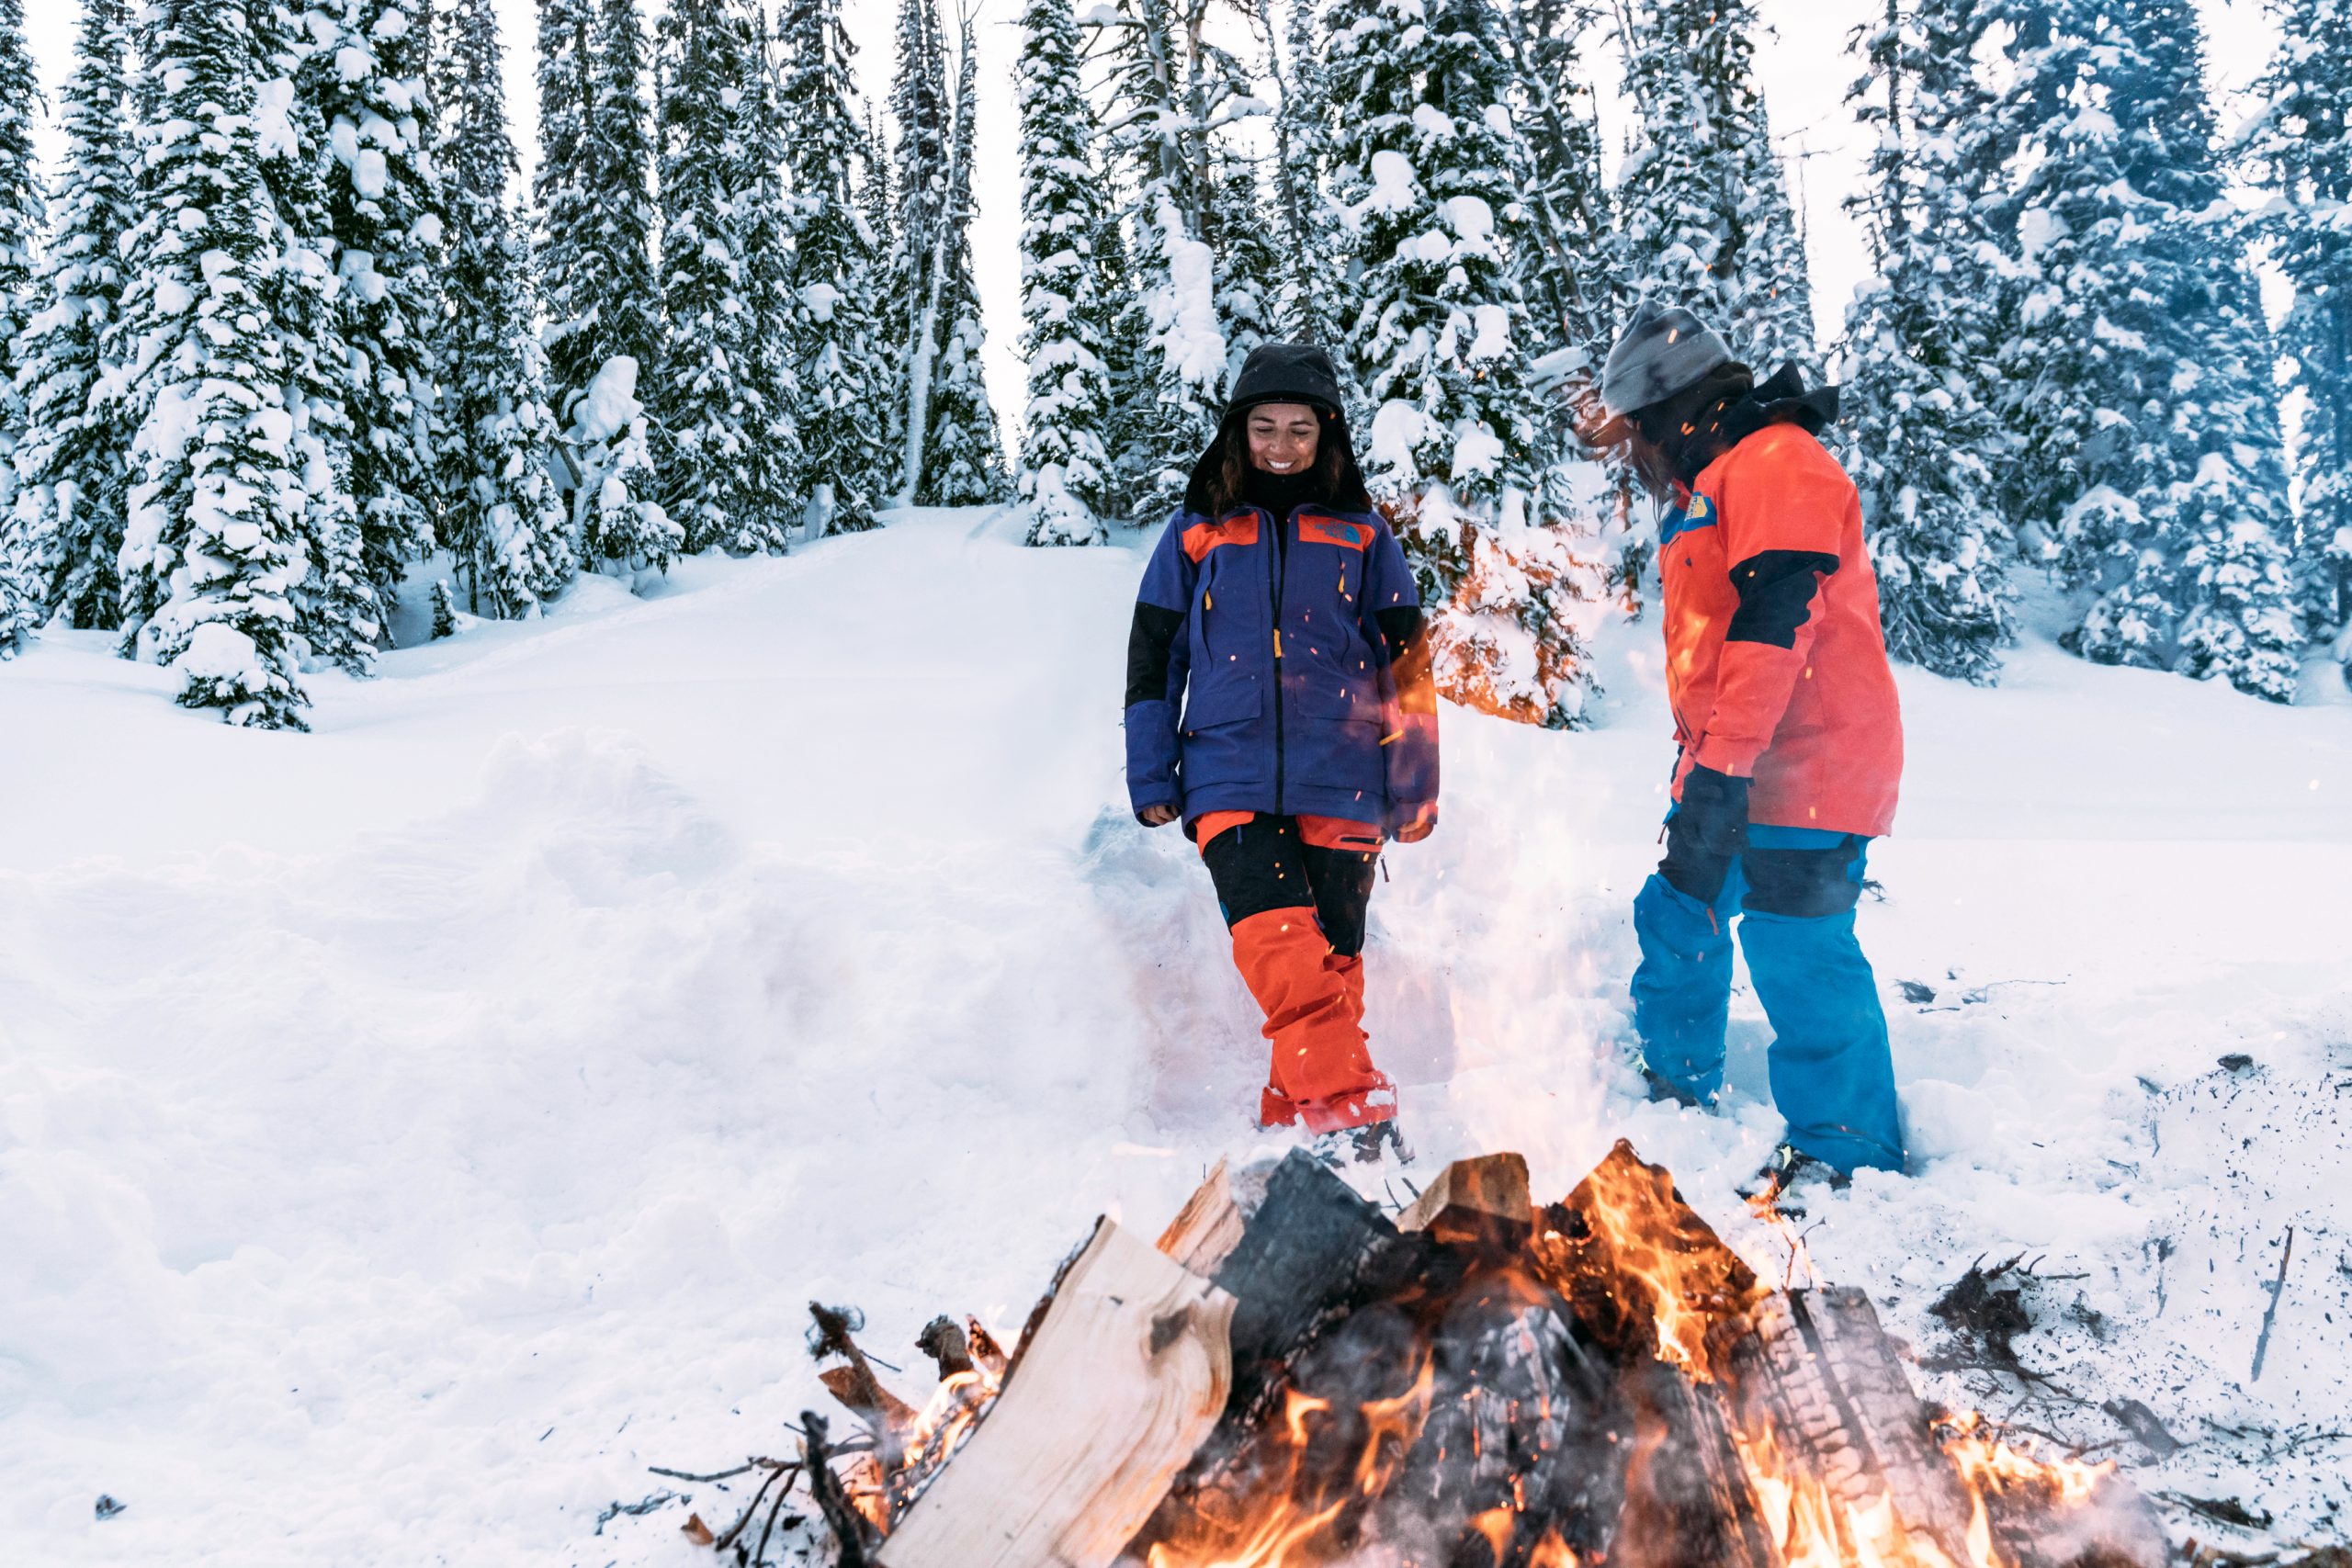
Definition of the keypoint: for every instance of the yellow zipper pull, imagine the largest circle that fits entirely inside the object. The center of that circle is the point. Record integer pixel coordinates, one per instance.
(1278, 642)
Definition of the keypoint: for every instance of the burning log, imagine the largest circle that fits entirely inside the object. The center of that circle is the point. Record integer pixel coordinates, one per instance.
(1813, 1371)
(1689, 1500)
(1112, 1391)
(1291, 1381)
(1309, 1253)
(1475, 1203)
(1642, 1270)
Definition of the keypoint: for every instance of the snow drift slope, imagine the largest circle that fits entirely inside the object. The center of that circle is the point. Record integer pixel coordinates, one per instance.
(411, 1132)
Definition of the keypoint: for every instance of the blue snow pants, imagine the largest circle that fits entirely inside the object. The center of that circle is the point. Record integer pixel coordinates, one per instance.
(1793, 892)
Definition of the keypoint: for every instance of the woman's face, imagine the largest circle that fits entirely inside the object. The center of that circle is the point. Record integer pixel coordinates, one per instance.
(1283, 437)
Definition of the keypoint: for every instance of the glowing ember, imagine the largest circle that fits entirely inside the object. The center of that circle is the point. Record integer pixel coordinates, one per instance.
(1616, 1387)
(1993, 1466)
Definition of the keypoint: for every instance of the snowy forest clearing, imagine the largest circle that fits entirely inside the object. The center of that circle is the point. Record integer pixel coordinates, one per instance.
(412, 1132)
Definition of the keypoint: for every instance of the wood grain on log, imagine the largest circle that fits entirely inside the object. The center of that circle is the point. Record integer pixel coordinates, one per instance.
(1125, 1373)
(1475, 1203)
(1206, 1230)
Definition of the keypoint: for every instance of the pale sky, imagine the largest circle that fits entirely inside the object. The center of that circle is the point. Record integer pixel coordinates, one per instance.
(1802, 60)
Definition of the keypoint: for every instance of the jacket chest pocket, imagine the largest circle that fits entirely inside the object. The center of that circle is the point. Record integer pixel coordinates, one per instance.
(1232, 619)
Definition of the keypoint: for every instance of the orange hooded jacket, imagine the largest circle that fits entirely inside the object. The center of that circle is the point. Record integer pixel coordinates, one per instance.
(1774, 659)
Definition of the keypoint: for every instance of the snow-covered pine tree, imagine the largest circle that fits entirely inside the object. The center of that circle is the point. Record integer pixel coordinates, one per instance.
(1779, 298)
(776, 469)
(706, 407)
(212, 549)
(620, 157)
(2137, 366)
(1126, 362)
(26, 551)
(504, 523)
(563, 209)
(621, 528)
(878, 203)
(68, 523)
(1566, 255)
(1703, 204)
(335, 606)
(21, 223)
(1424, 153)
(1918, 337)
(1065, 465)
(366, 82)
(844, 384)
(963, 458)
(922, 114)
(594, 192)
(1311, 302)
(2302, 146)
(1175, 391)
(1248, 263)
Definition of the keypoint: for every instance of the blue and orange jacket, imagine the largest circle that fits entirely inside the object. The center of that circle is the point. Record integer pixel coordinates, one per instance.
(1774, 659)
(1301, 673)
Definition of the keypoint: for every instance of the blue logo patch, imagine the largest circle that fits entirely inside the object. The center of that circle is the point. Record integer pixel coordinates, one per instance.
(1699, 513)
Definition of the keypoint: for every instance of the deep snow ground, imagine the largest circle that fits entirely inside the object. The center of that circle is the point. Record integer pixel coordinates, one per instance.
(411, 1132)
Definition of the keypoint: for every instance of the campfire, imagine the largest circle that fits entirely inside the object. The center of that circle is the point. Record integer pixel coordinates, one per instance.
(1292, 1378)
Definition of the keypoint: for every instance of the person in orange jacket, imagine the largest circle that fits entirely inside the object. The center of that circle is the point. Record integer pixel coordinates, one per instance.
(1790, 737)
(1279, 705)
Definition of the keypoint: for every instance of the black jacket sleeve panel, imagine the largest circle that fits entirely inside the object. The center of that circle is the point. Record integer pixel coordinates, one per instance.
(1776, 591)
(1150, 642)
(1408, 656)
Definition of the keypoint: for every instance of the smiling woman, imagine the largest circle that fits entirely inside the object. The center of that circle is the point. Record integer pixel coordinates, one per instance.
(1279, 617)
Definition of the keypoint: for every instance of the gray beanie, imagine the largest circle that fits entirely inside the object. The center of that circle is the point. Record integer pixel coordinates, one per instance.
(1661, 351)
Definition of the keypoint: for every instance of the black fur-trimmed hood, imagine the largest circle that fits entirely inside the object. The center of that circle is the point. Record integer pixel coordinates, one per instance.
(1286, 373)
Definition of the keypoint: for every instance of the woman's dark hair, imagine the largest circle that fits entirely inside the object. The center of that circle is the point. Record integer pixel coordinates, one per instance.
(1675, 437)
(1228, 469)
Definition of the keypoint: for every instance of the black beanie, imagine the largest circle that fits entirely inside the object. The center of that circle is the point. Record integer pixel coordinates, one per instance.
(1286, 373)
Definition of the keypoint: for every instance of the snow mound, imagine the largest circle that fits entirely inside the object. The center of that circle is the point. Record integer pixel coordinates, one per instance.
(446, 1114)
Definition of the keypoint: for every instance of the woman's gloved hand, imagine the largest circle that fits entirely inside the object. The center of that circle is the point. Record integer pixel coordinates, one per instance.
(1707, 833)
(1714, 812)
(1420, 825)
(1158, 816)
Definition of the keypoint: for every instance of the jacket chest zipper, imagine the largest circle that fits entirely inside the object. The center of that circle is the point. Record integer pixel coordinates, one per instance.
(1274, 594)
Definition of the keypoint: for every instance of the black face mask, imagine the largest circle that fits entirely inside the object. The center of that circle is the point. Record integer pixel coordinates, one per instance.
(1283, 493)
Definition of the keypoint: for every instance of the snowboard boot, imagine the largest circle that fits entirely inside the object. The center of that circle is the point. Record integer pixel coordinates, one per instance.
(1374, 1144)
(1788, 1167)
(1664, 1090)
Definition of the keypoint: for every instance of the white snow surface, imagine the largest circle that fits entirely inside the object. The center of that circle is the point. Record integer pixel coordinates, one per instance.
(412, 1131)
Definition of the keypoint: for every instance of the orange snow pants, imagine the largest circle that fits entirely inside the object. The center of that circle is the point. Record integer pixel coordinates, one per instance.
(1294, 890)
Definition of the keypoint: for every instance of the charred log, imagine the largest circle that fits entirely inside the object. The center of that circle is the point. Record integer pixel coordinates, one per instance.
(1689, 1500)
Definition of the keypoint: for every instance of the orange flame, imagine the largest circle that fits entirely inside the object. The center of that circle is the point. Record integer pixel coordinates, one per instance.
(1685, 1277)
(919, 1448)
(1673, 1286)
(1992, 1466)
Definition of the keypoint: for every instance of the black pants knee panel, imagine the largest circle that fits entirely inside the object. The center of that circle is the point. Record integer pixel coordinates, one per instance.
(1806, 883)
(1342, 884)
(1265, 864)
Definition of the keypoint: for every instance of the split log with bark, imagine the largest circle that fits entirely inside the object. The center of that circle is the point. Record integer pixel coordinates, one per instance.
(1291, 1379)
